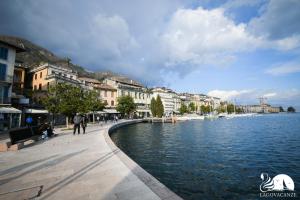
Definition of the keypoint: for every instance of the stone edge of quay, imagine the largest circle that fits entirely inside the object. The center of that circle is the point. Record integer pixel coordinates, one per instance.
(154, 185)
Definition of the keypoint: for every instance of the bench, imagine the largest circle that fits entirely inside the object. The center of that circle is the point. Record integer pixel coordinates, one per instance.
(20, 135)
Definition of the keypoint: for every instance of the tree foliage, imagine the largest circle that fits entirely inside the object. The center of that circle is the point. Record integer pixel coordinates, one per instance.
(291, 109)
(69, 100)
(126, 105)
(183, 109)
(159, 107)
(153, 107)
(205, 109)
(230, 108)
(192, 107)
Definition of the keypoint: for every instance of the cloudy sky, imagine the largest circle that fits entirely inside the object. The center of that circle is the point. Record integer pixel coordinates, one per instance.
(238, 49)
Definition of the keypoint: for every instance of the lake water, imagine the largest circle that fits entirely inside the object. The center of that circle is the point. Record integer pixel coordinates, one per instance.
(216, 159)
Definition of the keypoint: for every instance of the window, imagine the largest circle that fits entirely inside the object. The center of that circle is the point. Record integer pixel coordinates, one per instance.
(48, 85)
(112, 93)
(3, 53)
(35, 76)
(34, 87)
(40, 86)
(105, 102)
(105, 93)
(41, 75)
(112, 103)
(2, 72)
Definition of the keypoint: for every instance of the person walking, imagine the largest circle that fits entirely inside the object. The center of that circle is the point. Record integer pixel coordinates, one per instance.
(77, 120)
(83, 123)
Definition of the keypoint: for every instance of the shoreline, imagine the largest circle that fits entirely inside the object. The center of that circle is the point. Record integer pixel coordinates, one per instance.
(157, 187)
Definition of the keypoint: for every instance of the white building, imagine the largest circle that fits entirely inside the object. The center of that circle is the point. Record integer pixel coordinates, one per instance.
(9, 117)
(170, 99)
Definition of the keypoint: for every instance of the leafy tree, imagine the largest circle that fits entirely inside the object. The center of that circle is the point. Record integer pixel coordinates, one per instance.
(205, 109)
(183, 109)
(239, 110)
(230, 108)
(192, 107)
(159, 107)
(281, 109)
(60, 99)
(291, 109)
(221, 109)
(126, 105)
(153, 107)
(92, 102)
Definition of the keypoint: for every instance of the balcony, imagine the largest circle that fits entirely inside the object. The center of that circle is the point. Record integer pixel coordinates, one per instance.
(7, 78)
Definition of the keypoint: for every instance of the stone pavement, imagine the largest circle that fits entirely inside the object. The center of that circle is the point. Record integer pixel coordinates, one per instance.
(70, 167)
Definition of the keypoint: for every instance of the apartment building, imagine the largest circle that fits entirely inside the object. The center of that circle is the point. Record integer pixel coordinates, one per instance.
(169, 99)
(9, 116)
(138, 92)
(50, 74)
(107, 94)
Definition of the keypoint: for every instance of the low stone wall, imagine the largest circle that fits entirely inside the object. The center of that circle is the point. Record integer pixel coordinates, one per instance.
(157, 187)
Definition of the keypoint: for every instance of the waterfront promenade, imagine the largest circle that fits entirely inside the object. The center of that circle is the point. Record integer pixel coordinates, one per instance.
(75, 167)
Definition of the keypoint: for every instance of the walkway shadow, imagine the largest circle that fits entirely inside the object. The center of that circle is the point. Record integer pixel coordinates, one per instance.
(42, 166)
(24, 165)
(69, 179)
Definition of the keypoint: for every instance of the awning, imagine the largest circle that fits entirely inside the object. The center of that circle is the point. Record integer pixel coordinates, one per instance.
(36, 111)
(111, 111)
(97, 112)
(143, 110)
(9, 110)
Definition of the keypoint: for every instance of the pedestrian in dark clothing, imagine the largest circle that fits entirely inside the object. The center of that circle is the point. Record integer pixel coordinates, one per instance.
(83, 124)
(77, 120)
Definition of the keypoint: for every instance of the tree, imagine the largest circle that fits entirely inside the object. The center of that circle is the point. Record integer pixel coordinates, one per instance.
(159, 107)
(230, 108)
(126, 105)
(65, 99)
(291, 109)
(92, 102)
(281, 109)
(153, 107)
(205, 109)
(192, 107)
(183, 109)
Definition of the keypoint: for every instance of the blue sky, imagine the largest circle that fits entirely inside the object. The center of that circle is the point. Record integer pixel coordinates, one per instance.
(238, 49)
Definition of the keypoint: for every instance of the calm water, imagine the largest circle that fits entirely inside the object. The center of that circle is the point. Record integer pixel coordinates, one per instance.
(219, 159)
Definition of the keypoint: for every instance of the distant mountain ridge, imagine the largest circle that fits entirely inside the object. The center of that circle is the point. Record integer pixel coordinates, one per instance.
(35, 55)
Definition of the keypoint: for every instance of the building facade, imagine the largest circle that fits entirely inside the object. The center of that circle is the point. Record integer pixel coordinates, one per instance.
(138, 92)
(9, 116)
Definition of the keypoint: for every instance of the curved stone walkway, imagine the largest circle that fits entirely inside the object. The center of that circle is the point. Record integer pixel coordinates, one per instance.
(75, 167)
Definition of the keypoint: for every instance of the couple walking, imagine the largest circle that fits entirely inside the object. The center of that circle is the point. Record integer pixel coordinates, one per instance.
(78, 120)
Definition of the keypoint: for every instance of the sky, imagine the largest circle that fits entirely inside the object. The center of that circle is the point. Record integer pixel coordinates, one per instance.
(237, 50)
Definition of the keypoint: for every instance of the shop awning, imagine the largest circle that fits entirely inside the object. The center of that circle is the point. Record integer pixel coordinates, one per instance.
(9, 110)
(36, 111)
(111, 111)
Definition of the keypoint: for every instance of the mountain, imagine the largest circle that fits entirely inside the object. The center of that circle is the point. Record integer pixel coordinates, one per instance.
(34, 55)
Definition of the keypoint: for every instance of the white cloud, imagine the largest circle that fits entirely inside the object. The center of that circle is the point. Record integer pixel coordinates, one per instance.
(269, 95)
(285, 68)
(205, 37)
(278, 24)
(230, 94)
